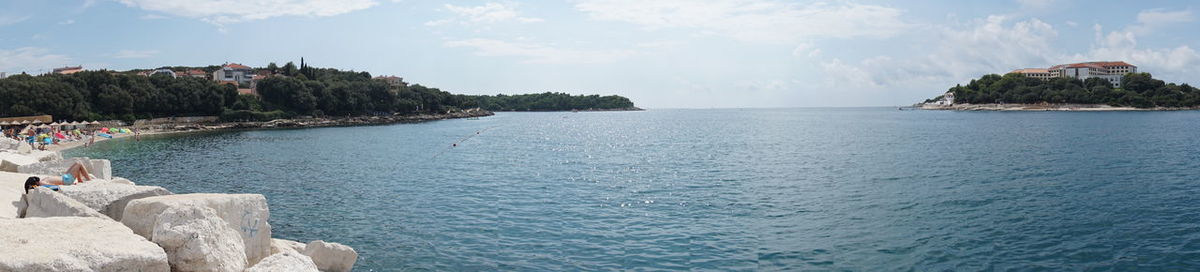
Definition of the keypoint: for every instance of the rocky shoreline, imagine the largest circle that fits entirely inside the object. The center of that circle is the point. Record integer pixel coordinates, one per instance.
(328, 121)
(1043, 107)
(112, 224)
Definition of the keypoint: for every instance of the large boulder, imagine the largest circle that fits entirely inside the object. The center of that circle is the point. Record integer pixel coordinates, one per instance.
(9, 143)
(331, 257)
(195, 239)
(110, 198)
(45, 155)
(43, 202)
(281, 245)
(98, 168)
(12, 194)
(288, 261)
(246, 213)
(9, 162)
(75, 244)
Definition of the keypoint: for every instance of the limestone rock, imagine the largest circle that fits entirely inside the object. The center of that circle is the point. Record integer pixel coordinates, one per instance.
(75, 244)
(12, 194)
(195, 239)
(45, 155)
(43, 202)
(288, 261)
(120, 180)
(9, 162)
(110, 198)
(9, 144)
(245, 213)
(281, 245)
(97, 168)
(331, 257)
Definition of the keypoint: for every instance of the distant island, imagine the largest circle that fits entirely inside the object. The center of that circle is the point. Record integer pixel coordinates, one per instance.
(1079, 86)
(236, 92)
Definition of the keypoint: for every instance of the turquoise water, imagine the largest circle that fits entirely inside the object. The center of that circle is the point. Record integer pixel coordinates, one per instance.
(771, 189)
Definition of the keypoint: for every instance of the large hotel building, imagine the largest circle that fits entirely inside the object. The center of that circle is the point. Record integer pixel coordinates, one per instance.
(1108, 70)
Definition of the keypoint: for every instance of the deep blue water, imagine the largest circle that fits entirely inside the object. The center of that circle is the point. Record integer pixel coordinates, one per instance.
(765, 189)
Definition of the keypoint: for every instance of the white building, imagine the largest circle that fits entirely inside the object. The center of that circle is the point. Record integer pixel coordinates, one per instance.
(163, 71)
(947, 100)
(234, 73)
(1112, 71)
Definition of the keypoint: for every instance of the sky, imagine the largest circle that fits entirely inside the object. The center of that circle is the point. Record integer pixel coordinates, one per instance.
(660, 54)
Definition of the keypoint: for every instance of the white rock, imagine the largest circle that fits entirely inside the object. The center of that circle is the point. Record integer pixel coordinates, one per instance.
(97, 168)
(9, 162)
(24, 148)
(331, 257)
(75, 244)
(120, 180)
(43, 202)
(246, 213)
(110, 198)
(12, 194)
(45, 155)
(195, 239)
(289, 261)
(281, 245)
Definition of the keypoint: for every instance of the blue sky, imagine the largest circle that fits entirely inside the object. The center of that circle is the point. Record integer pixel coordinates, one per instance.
(662, 54)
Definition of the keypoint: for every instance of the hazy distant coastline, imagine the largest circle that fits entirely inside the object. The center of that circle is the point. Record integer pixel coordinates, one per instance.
(1045, 107)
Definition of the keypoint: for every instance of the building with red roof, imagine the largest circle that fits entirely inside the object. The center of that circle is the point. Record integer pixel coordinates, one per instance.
(234, 72)
(1112, 71)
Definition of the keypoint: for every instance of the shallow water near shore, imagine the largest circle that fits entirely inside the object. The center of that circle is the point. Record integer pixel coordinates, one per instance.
(763, 189)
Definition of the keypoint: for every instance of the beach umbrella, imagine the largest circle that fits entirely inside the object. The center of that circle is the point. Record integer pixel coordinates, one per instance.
(55, 124)
(44, 126)
(95, 122)
(26, 122)
(5, 123)
(37, 121)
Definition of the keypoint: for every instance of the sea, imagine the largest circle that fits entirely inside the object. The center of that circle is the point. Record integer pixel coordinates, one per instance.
(847, 189)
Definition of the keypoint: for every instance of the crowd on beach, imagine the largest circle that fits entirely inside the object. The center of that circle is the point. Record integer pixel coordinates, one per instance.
(39, 137)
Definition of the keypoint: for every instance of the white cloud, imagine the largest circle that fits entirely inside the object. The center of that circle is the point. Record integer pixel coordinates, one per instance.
(67, 22)
(1178, 63)
(539, 53)
(1036, 4)
(152, 17)
(1149, 20)
(135, 54)
(488, 13)
(753, 20)
(222, 12)
(30, 59)
(991, 45)
(12, 19)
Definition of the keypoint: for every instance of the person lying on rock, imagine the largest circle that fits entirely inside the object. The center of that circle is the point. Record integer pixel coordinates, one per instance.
(76, 173)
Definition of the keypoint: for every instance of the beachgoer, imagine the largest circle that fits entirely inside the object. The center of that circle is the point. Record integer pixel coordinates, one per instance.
(77, 173)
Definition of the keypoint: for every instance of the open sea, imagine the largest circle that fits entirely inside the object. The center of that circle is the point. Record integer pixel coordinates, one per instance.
(757, 189)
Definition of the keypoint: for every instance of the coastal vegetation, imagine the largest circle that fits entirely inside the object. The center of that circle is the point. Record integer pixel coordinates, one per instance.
(279, 92)
(1138, 90)
(551, 101)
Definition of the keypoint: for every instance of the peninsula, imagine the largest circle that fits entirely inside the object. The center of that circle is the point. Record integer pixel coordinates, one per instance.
(1089, 86)
(239, 93)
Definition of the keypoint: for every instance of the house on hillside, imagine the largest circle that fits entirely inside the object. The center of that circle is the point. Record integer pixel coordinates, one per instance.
(233, 73)
(196, 73)
(394, 81)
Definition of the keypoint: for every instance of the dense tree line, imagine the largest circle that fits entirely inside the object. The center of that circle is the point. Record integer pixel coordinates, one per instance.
(1138, 90)
(291, 90)
(96, 95)
(551, 101)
